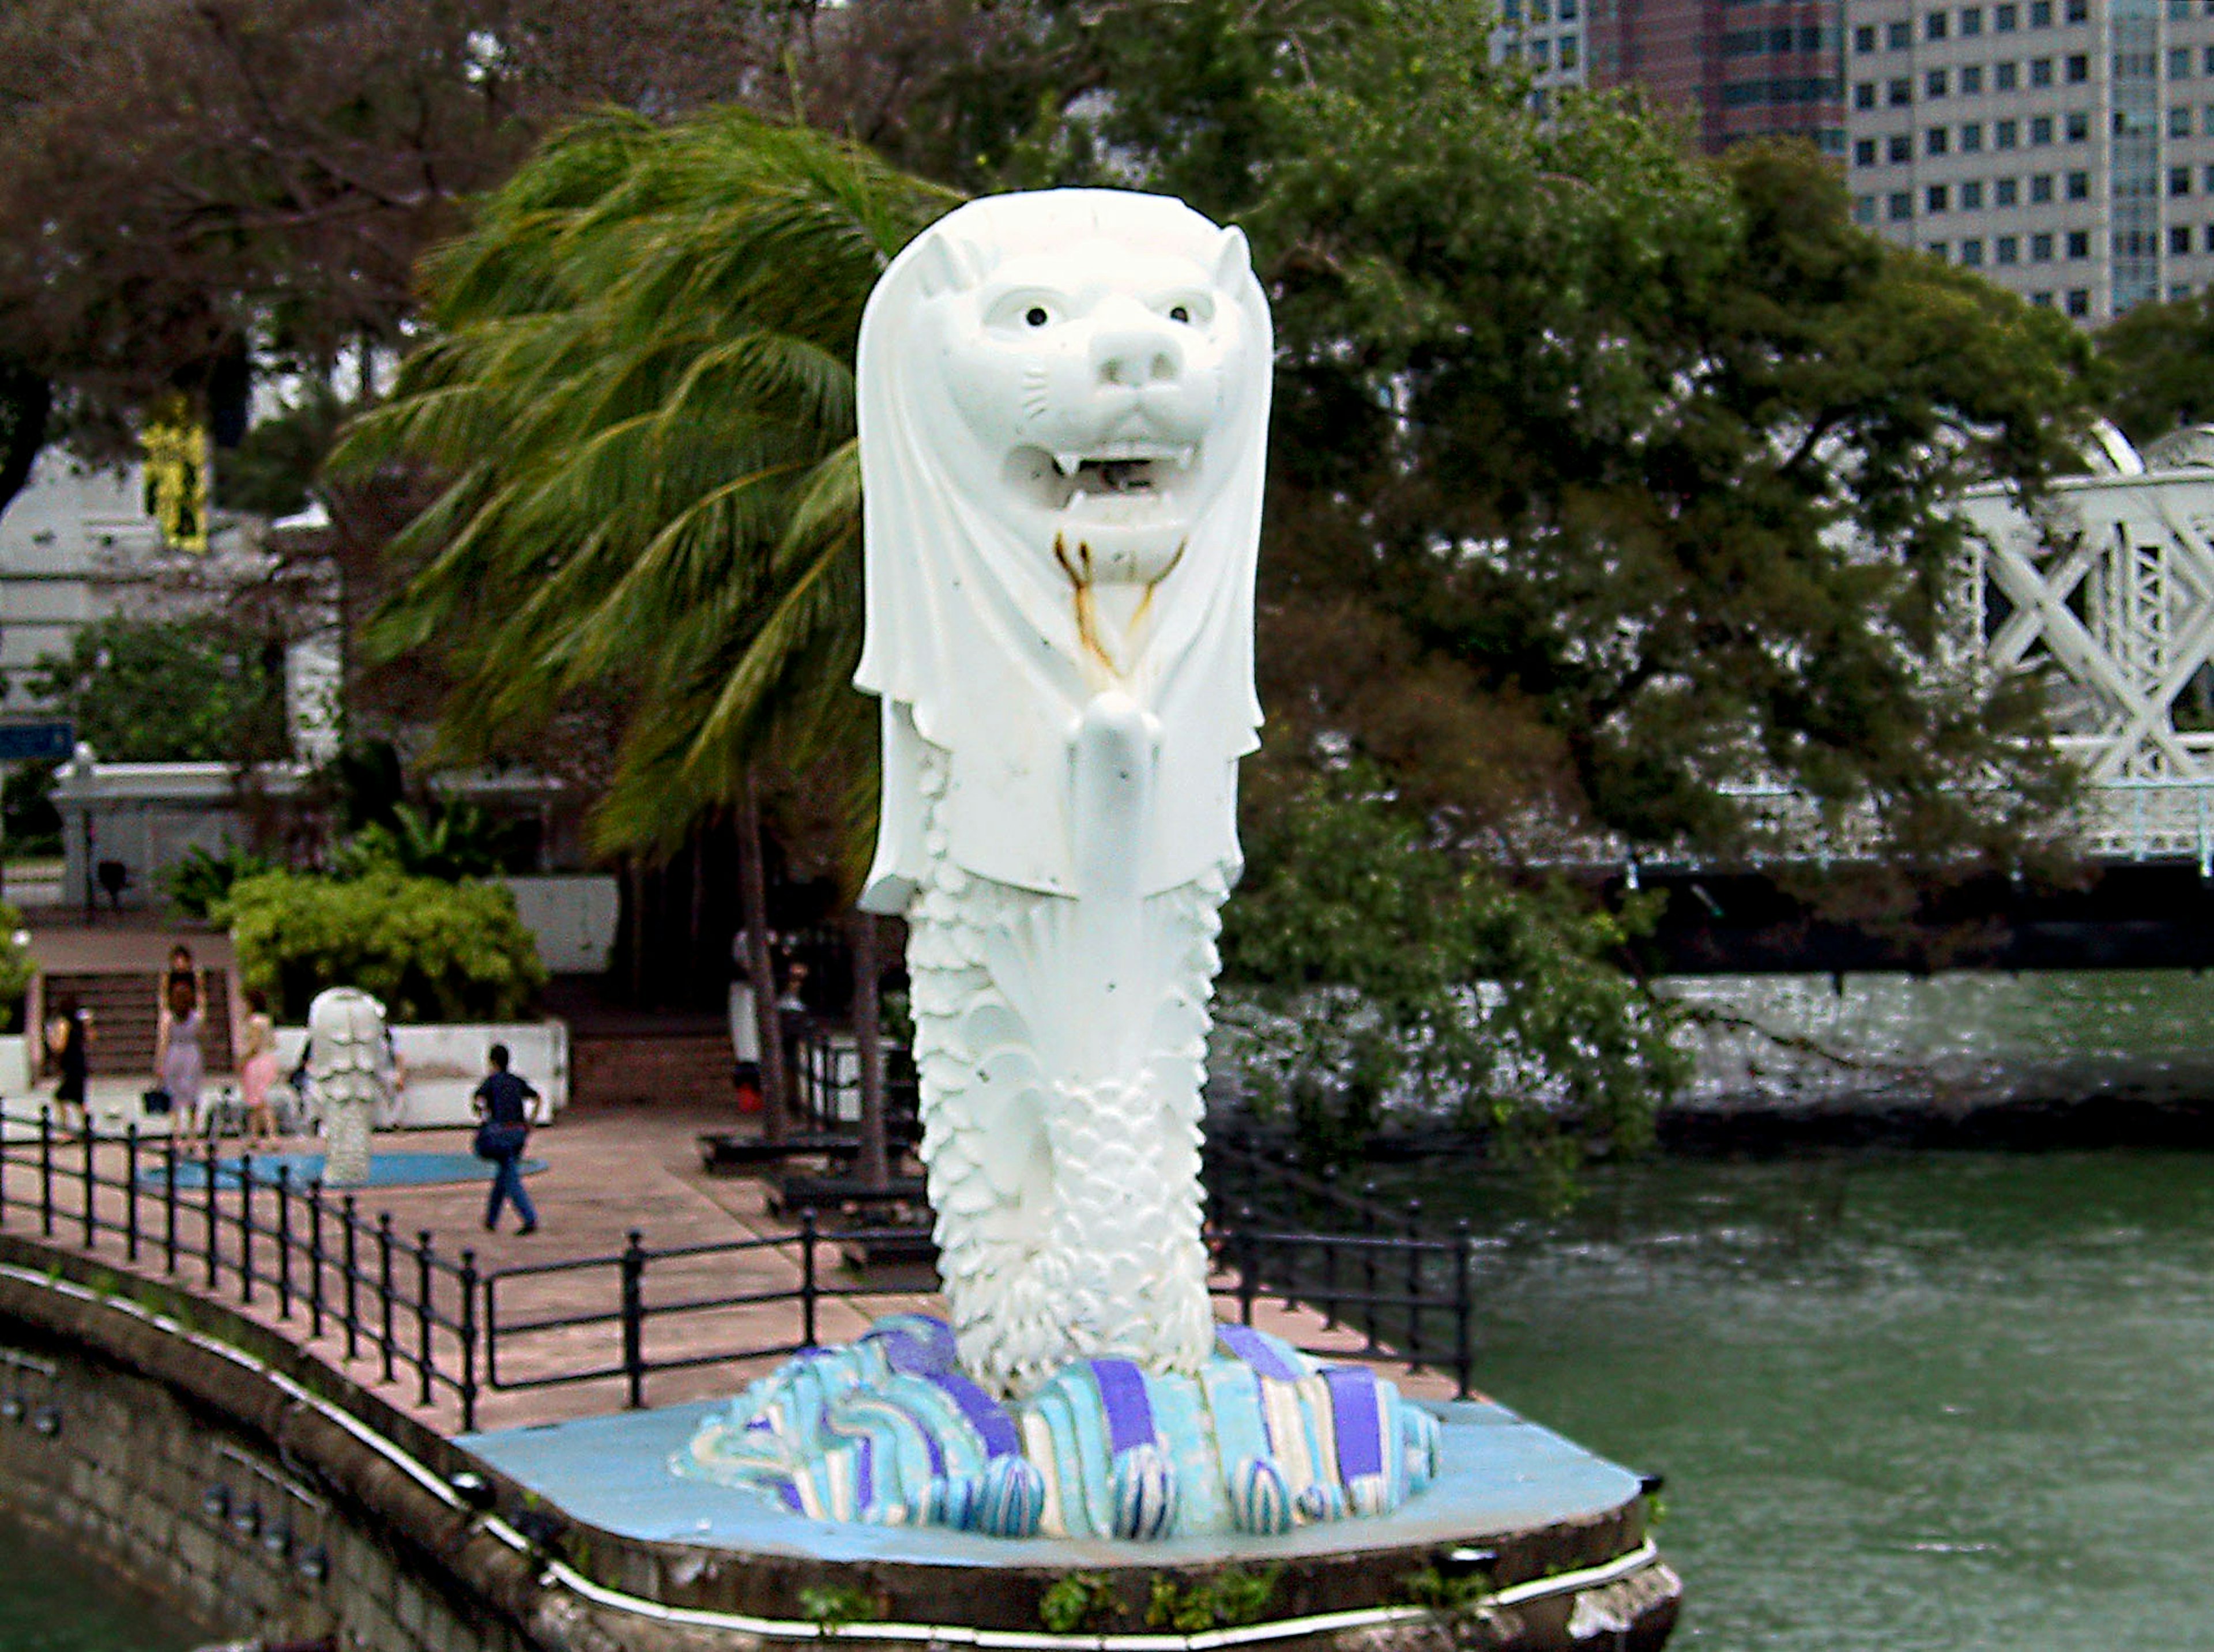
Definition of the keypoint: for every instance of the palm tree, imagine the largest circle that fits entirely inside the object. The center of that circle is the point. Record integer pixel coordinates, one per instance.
(640, 383)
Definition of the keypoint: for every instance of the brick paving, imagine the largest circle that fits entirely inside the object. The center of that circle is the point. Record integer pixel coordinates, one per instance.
(611, 1170)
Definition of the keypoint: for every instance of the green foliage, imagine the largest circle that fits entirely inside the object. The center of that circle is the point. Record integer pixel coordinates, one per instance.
(201, 690)
(641, 386)
(2160, 362)
(1461, 1591)
(1373, 967)
(16, 969)
(433, 951)
(199, 881)
(446, 840)
(833, 1605)
(1078, 1602)
(1229, 1597)
(32, 823)
(269, 471)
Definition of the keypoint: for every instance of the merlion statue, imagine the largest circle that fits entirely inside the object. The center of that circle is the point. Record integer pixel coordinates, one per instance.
(1064, 399)
(351, 1075)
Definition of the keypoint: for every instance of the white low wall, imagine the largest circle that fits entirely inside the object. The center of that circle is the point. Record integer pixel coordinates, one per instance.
(444, 1065)
(15, 1063)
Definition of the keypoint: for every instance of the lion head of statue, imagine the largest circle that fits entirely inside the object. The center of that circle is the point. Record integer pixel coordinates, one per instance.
(1063, 416)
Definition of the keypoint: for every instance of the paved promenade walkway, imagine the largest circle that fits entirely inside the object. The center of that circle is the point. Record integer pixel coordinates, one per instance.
(609, 1172)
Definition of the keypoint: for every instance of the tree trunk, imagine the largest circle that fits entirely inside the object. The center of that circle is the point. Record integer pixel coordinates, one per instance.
(768, 1025)
(869, 1041)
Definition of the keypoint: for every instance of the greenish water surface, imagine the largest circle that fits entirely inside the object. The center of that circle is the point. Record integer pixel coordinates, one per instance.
(53, 1599)
(1907, 1401)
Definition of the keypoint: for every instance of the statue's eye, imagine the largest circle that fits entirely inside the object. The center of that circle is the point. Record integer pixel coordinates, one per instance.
(1035, 315)
(1181, 313)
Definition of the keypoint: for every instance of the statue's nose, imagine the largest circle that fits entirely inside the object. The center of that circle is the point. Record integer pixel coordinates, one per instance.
(1137, 355)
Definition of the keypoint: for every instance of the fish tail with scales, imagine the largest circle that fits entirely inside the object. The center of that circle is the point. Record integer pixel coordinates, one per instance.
(1066, 1181)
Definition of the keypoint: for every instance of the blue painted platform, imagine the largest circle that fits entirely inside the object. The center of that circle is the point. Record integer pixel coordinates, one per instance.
(385, 1169)
(1497, 1474)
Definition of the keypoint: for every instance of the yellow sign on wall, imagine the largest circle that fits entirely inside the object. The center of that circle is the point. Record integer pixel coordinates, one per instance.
(176, 447)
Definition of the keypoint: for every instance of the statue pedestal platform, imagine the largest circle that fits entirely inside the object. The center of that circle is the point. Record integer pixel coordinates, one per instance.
(1524, 1541)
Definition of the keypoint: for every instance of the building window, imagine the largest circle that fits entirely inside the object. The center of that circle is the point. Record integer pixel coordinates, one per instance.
(2178, 290)
(1864, 95)
(2040, 188)
(2041, 130)
(2007, 249)
(2079, 186)
(2178, 181)
(1900, 92)
(1864, 151)
(2079, 11)
(1972, 81)
(1569, 56)
(1541, 11)
(1933, 83)
(2079, 243)
(1899, 206)
(2178, 63)
(1972, 195)
(1568, 10)
(1972, 254)
(1971, 21)
(2078, 68)
(2003, 77)
(2206, 181)
(2040, 249)
(2179, 240)
(1933, 141)
(1898, 148)
(2045, 299)
(2079, 302)
(2005, 19)
(2210, 237)
(1939, 250)
(2005, 192)
(1933, 27)
(1934, 199)
(2040, 72)
(2040, 14)
(1864, 39)
(1863, 209)
(2079, 125)
(1899, 36)
(1972, 138)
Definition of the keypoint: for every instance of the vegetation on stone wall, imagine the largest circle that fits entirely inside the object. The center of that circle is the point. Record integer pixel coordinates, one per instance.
(431, 951)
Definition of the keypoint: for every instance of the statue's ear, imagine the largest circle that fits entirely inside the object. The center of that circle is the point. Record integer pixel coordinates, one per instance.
(948, 265)
(1233, 260)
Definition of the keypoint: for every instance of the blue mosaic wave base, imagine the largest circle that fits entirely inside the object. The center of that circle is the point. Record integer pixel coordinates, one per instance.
(888, 1431)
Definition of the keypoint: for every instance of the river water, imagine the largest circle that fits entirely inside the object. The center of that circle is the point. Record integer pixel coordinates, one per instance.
(52, 1599)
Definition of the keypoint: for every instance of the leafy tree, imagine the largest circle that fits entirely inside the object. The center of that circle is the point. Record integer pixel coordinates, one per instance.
(196, 690)
(2160, 358)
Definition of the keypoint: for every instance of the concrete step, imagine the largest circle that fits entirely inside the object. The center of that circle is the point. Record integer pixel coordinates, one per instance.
(655, 1068)
(124, 1016)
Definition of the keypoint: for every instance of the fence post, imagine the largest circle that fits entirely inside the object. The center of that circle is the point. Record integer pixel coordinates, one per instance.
(1248, 1282)
(131, 1190)
(424, 1280)
(384, 1284)
(1464, 1352)
(46, 1173)
(283, 1241)
(468, 1324)
(633, 1319)
(91, 1227)
(214, 1232)
(807, 1278)
(246, 1227)
(3, 1169)
(352, 1278)
(169, 1202)
(315, 1258)
(1414, 1278)
(1370, 1226)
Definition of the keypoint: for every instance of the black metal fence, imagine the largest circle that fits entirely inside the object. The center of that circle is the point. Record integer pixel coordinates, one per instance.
(450, 1328)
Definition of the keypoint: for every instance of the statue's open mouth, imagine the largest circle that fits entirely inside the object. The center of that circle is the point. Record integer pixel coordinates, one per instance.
(1121, 481)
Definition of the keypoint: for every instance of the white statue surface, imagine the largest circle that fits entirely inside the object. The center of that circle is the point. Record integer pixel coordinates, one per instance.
(1064, 400)
(351, 1078)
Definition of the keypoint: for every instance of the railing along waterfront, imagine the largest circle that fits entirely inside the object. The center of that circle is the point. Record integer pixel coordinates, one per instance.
(444, 1327)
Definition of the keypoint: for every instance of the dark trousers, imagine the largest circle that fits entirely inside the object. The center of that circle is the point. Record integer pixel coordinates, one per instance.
(507, 1184)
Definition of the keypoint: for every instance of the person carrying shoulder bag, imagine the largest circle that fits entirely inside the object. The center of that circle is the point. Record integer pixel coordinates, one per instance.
(503, 1102)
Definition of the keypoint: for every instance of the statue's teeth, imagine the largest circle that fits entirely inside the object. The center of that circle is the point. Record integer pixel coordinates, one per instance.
(1067, 463)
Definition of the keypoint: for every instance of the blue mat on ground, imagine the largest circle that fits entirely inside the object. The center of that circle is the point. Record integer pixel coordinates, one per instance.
(385, 1169)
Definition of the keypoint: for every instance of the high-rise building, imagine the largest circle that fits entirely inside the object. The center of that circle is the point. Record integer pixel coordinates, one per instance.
(1761, 70)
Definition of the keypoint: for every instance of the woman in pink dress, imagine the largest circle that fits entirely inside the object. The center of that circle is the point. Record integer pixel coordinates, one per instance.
(257, 1068)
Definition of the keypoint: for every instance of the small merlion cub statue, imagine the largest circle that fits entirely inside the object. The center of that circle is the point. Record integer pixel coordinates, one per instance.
(1064, 399)
(352, 1078)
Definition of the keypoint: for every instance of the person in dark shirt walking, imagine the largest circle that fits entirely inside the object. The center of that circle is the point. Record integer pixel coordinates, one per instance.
(503, 1102)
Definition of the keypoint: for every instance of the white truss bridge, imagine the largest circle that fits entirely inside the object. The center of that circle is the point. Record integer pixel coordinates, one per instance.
(2113, 596)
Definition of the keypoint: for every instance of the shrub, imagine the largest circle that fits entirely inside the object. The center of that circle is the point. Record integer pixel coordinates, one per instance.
(431, 951)
(197, 884)
(16, 969)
